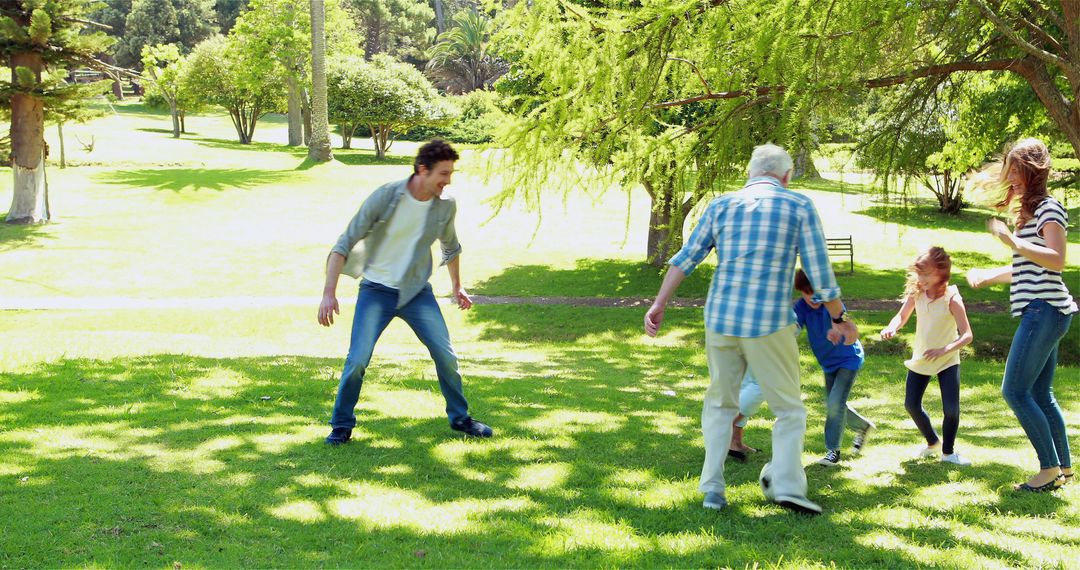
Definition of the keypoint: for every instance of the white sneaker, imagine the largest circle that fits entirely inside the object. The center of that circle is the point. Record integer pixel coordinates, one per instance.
(930, 451)
(798, 504)
(955, 459)
(861, 437)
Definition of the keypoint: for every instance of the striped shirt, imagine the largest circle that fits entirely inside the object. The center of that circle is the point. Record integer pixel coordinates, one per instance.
(1032, 281)
(757, 232)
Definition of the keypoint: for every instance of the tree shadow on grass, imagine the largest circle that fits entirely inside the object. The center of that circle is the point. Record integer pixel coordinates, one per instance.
(230, 144)
(19, 236)
(167, 132)
(966, 221)
(625, 278)
(363, 157)
(590, 278)
(193, 179)
(834, 186)
(219, 462)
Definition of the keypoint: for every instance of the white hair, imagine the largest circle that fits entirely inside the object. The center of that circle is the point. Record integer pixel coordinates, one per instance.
(769, 159)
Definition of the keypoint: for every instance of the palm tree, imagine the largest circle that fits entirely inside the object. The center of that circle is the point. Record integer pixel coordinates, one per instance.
(459, 61)
(319, 145)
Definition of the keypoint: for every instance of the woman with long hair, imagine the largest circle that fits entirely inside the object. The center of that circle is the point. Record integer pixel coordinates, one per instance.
(1039, 297)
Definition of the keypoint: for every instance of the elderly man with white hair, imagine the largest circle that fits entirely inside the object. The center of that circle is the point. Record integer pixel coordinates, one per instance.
(757, 232)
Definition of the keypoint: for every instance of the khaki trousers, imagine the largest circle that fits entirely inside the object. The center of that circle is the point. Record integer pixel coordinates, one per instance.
(774, 360)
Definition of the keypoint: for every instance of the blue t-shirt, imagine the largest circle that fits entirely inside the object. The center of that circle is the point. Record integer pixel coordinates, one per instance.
(816, 323)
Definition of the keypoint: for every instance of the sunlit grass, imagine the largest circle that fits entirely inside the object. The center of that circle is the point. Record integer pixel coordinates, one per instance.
(138, 455)
(171, 410)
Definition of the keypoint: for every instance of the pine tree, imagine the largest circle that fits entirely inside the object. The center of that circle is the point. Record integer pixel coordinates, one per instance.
(41, 35)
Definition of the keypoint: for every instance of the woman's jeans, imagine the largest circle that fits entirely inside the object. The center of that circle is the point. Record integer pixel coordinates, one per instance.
(375, 308)
(837, 411)
(949, 381)
(1028, 385)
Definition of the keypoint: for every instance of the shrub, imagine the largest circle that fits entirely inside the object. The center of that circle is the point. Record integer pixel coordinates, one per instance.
(479, 115)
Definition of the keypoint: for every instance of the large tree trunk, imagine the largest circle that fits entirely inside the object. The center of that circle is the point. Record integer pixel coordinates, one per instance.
(665, 224)
(183, 125)
(372, 39)
(30, 195)
(117, 89)
(296, 119)
(319, 149)
(804, 165)
(440, 18)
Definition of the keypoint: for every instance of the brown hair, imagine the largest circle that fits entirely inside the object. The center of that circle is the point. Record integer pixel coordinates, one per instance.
(1032, 158)
(802, 283)
(432, 153)
(934, 259)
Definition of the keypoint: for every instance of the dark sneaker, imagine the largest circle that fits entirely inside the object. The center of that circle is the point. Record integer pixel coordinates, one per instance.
(339, 436)
(798, 504)
(861, 437)
(471, 427)
(831, 459)
(715, 501)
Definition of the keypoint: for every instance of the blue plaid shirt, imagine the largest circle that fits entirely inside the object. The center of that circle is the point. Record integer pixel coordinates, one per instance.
(757, 232)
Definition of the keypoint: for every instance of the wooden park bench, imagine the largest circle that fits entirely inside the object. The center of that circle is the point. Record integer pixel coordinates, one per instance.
(842, 246)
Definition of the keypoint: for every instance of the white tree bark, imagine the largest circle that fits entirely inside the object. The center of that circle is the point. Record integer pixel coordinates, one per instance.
(30, 196)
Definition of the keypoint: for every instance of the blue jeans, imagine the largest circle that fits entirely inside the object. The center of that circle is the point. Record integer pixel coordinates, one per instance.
(375, 308)
(837, 387)
(1028, 385)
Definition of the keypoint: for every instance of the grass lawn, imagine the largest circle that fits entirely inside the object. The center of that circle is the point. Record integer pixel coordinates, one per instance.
(171, 409)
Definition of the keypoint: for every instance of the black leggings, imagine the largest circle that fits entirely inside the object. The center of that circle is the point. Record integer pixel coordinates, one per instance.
(949, 380)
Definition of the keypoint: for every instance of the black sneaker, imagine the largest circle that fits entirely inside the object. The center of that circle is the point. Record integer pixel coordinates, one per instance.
(471, 427)
(339, 436)
(831, 459)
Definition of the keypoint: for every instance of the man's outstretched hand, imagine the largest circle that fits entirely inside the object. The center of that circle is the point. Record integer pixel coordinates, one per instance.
(327, 309)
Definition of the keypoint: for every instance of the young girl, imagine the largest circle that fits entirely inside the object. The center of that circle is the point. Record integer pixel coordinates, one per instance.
(941, 329)
(1038, 296)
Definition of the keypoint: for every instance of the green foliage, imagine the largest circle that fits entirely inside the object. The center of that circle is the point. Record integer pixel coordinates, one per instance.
(460, 61)
(168, 72)
(477, 119)
(56, 25)
(398, 28)
(281, 30)
(227, 13)
(221, 72)
(384, 96)
(40, 27)
(150, 22)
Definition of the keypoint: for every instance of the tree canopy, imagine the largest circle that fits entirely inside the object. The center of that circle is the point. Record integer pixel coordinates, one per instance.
(677, 92)
(383, 96)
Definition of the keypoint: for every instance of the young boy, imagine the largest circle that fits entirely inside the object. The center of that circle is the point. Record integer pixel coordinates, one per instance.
(841, 363)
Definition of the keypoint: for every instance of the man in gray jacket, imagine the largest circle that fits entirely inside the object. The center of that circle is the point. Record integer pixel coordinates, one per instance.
(388, 242)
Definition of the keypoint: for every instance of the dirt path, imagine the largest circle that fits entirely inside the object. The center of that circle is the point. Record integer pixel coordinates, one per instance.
(214, 303)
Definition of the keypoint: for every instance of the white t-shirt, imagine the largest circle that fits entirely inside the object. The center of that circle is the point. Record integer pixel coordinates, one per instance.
(403, 230)
(935, 327)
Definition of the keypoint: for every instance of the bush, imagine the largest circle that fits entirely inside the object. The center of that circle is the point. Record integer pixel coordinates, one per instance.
(475, 125)
(154, 100)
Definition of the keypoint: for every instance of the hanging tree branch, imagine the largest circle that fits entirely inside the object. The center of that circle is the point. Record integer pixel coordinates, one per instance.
(1023, 44)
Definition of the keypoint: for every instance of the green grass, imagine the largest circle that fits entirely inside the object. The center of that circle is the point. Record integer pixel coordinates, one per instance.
(147, 456)
(192, 434)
